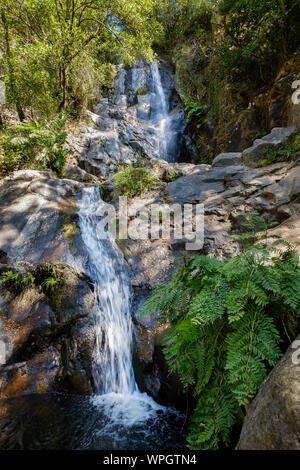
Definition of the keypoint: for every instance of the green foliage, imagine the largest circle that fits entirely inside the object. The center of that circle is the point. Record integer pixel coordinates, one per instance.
(46, 277)
(134, 180)
(60, 52)
(173, 175)
(16, 281)
(224, 329)
(49, 284)
(34, 145)
(29, 279)
(11, 278)
(182, 19)
(195, 112)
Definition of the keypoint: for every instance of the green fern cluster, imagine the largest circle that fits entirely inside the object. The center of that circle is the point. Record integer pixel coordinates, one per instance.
(225, 328)
(195, 112)
(46, 276)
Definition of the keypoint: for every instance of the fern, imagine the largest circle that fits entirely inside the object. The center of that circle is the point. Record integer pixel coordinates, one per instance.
(225, 323)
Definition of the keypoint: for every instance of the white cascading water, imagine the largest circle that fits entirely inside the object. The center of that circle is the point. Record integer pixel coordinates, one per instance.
(117, 394)
(113, 368)
(160, 114)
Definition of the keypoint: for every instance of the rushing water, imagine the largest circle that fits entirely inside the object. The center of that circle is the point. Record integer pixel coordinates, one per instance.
(127, 410)
(160, 114)
(113, 368)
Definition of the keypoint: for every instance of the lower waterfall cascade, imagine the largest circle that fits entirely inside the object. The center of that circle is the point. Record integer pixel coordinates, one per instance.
(127, 410)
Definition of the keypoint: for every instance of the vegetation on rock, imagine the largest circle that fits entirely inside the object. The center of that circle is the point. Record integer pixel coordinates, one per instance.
(286, 153)
(134, 180)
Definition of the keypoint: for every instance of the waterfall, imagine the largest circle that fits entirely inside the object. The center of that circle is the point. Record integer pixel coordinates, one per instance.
(126, 413)
(106, 266)
(160, 114)
(159, 92)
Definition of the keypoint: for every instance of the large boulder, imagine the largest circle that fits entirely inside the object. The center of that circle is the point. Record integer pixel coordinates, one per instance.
(206, 182)
(34, 206)
(47, 333)
(228, 159)
(273, 419)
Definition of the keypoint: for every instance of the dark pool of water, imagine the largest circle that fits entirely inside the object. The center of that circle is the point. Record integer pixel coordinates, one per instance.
(53, 421)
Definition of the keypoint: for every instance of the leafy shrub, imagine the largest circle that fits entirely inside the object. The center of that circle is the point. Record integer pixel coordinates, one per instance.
(225, 322)
(142, 91)
(134, 180)
(34, 145)
(195, 112)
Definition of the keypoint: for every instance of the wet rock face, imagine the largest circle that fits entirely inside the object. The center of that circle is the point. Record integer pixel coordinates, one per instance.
(273, 419)
(48, 335)
(126, 127)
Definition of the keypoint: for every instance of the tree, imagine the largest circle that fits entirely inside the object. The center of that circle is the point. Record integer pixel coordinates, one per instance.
(7, 27)
(57, 32)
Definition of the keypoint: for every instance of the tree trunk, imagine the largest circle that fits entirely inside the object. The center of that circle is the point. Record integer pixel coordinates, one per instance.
(11, 75)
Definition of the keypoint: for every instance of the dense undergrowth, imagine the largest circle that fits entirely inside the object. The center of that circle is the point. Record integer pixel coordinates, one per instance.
(226, 321)
(34, 145)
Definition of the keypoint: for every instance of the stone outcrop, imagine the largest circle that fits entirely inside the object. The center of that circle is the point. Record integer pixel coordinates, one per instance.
(228, 159)
(273, 419)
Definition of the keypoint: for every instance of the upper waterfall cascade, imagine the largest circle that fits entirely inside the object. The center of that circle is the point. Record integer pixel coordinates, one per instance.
(161, 117)
(143, 119)
(149, 92)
